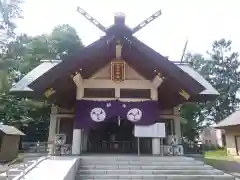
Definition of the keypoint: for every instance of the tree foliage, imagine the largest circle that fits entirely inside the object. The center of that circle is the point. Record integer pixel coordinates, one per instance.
(193, 119)
(225, 77)
(9, 11)
(221, 69)
(64, 41)
(27, 52)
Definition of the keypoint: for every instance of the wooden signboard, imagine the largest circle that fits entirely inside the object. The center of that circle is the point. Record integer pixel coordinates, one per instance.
(118, 71)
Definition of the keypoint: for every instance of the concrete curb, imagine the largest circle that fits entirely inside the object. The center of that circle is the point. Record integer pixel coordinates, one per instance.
(28, 169)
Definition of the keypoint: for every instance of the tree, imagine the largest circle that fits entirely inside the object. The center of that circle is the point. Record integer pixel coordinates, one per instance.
(225, 77)
(9, 12)
(193, 119)
(222, 71)
(26, 53)
(65, 41)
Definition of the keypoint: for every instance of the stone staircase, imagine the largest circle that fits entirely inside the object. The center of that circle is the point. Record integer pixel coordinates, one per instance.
(146, 167)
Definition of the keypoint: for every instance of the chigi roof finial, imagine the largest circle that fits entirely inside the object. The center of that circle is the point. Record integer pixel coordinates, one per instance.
(119, 19)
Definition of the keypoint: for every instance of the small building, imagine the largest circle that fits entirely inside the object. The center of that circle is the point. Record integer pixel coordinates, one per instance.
(211, 137)
(231, 126)
(9, 142)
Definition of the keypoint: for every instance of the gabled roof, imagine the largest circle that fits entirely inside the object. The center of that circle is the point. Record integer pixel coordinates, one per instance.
(137, 54)
(168, 69)
(10, 130)
(46, 65)
(88, 59)
(232, 120)
(209, 93)
(38, 71)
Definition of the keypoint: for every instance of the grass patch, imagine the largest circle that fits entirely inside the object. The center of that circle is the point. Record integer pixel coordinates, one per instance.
(220, 160)
(220, 154)
(216, 153)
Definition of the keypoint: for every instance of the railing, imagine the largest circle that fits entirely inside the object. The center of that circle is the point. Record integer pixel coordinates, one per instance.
(193, 148)
(32, 153)
(11, 163)
(25, 168)
(45, 147)
(36, 147)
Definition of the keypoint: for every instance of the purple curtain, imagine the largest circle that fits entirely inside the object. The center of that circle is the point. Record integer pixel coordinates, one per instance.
(90, 113)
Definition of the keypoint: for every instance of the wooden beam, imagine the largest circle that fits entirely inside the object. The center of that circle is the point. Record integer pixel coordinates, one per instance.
(157, 81)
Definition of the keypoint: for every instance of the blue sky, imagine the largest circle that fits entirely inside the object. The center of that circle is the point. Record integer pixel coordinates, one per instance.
(202, 21)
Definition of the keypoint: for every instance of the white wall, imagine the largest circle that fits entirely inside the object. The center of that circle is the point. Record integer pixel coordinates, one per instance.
(211, 136)
(230, 134)
(230, 143)
(102, 79)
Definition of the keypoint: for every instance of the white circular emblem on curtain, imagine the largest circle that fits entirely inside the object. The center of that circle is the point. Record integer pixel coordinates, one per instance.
(98, 114)
(134, 115)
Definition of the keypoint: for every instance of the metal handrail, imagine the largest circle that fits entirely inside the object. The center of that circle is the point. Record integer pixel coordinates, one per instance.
(23, 158)
(36, 147)
(13, 162)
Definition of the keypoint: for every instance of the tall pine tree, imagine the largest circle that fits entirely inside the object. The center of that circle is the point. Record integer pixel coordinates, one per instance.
(221, 69)
(224, 75)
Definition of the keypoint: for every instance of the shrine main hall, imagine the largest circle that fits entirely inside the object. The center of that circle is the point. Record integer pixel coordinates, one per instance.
(103, 92)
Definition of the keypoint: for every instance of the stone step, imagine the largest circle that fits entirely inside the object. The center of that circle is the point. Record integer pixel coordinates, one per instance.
(154, 177)
(144, 167)
(137, 158)
(151, 172)
(141, 163)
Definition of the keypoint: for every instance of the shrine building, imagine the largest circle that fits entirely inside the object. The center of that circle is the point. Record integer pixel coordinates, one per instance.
(107, 88)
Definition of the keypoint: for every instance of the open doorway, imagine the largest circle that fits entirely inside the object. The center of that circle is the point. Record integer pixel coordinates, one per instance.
(114, 136)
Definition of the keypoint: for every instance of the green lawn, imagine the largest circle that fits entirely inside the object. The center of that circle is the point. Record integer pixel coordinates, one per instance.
(215, 153)
(220, 154)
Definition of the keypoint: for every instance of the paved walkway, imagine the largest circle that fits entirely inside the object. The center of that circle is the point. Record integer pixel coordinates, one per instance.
(17, 168)
(229, 166)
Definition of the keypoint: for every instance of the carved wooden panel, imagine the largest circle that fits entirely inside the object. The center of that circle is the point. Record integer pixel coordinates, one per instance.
(118, 71)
